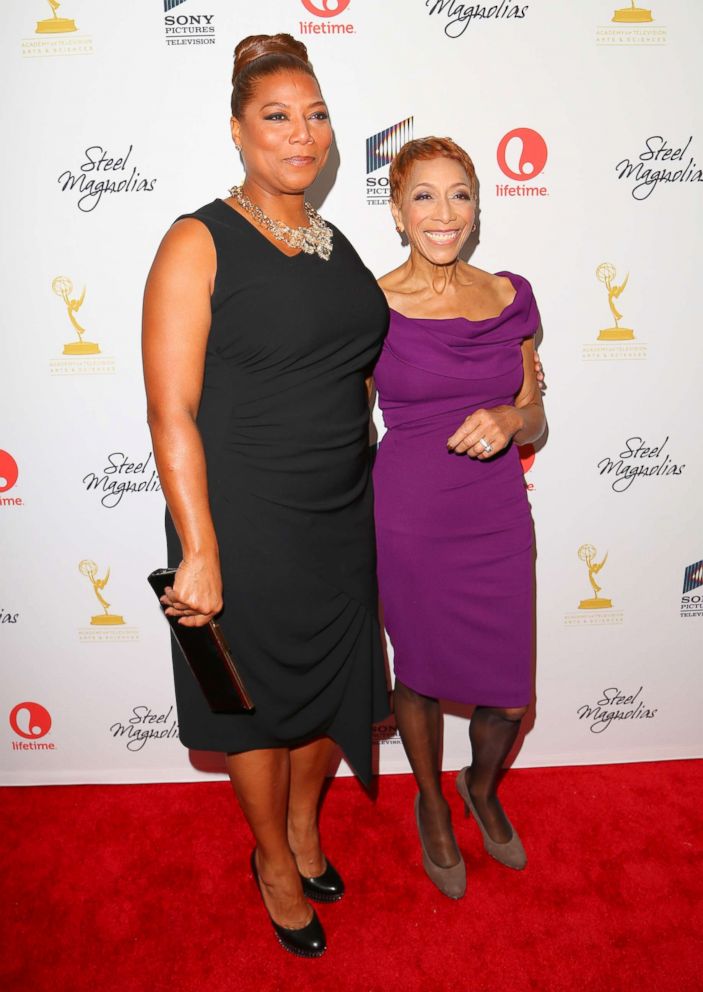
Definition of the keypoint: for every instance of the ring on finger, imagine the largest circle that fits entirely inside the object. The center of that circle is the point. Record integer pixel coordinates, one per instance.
(487, 447)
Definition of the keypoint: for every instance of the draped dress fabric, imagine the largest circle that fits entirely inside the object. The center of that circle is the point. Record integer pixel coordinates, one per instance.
(454, 534)
(284, 423)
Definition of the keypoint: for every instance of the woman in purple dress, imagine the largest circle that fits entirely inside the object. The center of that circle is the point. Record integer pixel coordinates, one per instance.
(458, 389)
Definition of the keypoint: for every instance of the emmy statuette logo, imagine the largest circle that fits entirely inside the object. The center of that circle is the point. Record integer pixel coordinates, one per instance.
(605, 273)
(615, 343)
(595, 610)
(80, 355)
(55, 24)
(110, 626)
(633, 25)
(104, 619)
(632, 15)
(587, 554)
(56, 35)
(63, 287)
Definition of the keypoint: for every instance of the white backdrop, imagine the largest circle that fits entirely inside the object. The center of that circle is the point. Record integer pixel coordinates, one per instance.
(136, 98)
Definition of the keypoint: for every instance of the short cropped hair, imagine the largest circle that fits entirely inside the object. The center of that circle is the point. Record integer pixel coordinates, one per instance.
(423, 150)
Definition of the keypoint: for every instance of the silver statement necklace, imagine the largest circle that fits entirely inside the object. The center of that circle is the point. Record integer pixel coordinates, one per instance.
(315, 239)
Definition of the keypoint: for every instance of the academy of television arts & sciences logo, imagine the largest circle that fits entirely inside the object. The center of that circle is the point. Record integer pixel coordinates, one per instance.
(630, 26)
(593, 610)
(617, 342)
(105, 626)
(79, 357)
(56, 34)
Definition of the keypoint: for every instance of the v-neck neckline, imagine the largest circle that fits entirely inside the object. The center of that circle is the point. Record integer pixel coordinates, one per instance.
(230, 209)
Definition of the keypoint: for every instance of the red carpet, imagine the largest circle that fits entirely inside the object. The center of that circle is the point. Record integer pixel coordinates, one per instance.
(135, 888)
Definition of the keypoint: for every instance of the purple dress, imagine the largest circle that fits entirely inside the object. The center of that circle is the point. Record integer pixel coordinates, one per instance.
(454, 534)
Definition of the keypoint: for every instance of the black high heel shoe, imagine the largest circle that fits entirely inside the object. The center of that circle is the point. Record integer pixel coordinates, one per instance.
(307, 942)
(327, 887)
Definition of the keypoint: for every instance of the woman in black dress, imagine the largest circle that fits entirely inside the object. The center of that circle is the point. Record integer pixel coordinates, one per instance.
(257, 340)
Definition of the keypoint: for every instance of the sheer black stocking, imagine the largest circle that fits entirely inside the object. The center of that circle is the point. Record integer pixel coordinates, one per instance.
(492, 733)
(420, 723)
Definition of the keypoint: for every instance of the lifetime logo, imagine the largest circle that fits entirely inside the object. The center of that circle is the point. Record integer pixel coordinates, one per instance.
(527, 460)
(325, 9)
(9, 473)
(31, 721)
(522, 155)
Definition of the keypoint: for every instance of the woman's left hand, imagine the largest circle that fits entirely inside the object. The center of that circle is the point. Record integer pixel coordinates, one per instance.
(485, 432)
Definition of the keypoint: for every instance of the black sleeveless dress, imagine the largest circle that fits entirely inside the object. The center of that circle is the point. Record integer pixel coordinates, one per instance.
(284, 423)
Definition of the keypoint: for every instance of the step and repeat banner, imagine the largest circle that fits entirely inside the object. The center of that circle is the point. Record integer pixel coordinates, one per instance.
(584, 120)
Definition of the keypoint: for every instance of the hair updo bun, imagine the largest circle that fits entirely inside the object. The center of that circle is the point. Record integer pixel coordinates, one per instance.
(261, 55)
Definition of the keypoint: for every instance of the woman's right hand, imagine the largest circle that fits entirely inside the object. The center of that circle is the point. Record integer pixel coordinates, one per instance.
(196, 595)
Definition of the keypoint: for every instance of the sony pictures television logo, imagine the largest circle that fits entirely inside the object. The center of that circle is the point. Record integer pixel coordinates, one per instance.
(185, 28)
(380, 149)
(692, 593)
(522, 155)
(325, 11)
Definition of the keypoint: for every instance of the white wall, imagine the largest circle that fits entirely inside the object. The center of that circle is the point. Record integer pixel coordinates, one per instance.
(595, 91)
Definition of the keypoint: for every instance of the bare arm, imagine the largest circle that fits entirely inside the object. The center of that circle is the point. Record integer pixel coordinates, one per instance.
(523, 421)
(529, 409)
(176, 323)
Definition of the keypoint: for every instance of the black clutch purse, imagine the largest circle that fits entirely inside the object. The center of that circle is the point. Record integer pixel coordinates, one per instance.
(208, 656)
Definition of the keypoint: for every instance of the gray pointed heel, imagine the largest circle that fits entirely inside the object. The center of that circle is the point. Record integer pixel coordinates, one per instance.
(511, 853)
(450, 881)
